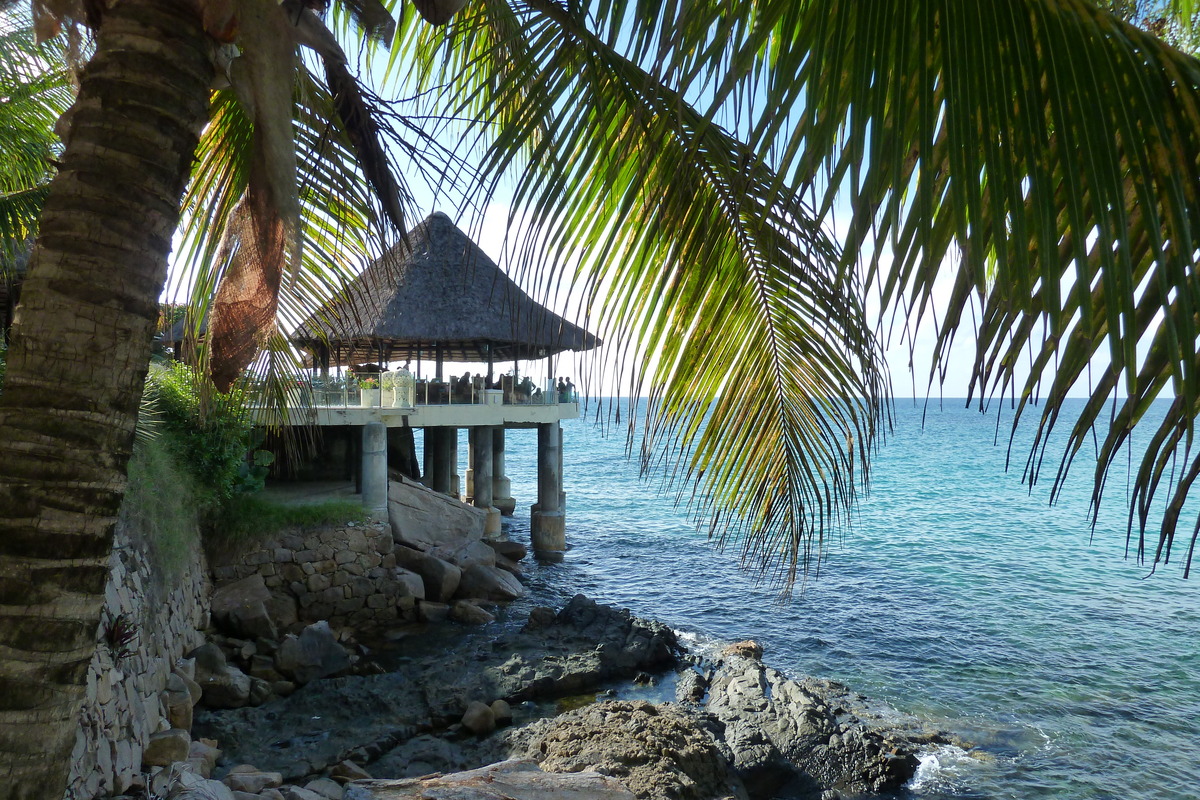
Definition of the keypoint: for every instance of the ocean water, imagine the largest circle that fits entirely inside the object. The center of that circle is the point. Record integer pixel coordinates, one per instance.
(958, 596)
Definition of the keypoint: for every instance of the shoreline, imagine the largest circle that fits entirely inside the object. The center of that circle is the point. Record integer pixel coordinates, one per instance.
(765, 733)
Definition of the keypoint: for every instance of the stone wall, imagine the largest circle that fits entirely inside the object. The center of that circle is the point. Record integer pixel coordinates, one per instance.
(126, 684)
(346, 574)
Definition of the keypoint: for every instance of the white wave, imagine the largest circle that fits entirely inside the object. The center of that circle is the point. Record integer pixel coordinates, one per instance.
(941, 769)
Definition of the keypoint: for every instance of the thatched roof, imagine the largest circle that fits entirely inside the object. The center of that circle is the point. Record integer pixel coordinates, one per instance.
(437, 289)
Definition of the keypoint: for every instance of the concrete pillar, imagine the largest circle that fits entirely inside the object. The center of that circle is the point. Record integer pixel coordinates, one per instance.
(429, 437)
(445, 459)
(547, 521)
(501, 486)
(375, 470)
(472, 435)
(562, 495)
(481, 455)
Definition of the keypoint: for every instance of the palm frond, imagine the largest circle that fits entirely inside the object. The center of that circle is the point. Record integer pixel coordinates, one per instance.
(699, 259)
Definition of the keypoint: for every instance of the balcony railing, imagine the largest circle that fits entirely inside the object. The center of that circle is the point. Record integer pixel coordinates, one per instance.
(349, 393)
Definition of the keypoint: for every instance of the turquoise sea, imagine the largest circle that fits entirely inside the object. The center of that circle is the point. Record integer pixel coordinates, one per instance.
(958, 596)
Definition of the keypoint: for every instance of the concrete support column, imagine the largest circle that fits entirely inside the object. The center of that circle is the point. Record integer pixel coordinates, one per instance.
(481, 455)
(472, 435)
(375, 470)
(547, 521)
(445, 459)
(429, 437)
(501, 486)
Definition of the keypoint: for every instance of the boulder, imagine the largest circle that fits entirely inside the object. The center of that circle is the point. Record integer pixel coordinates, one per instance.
(298, 793)
(468, 613)
(479, 718)
(656, 751)
(746, 649)
(165, 748)
(432, 612)
(514, 551)
(240, 608)
(347, 771)
(490, 583)
(424, 519)
(314, 654)
(408, 583)
(502, 711)
(222, 685)
(440, 579)
(177, 700)
(326, 788)
(467, 554)
(253, 782)
(507, 780)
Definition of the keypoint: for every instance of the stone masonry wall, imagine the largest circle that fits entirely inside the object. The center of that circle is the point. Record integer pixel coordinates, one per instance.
(124, 701)
(346, 574)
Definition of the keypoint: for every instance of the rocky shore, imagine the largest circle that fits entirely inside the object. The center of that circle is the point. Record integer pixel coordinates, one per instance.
(412, 688)
(586, 701)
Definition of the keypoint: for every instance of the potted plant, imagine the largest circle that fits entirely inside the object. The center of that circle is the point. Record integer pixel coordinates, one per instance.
(368, 392)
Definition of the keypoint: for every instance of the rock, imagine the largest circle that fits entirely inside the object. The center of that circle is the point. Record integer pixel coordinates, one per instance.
(326, 788)
(204, 750)
(489, 583)
(240, 607)
(263, 667)
(439, 578)
(424, 519)
(746, 649)
(468, 613)
(314, 654)
(282, 610)
(479, 718)
(165, 748)
(778, 729)
(177, 700)
(253, 782)
(514, 551)
(409, 583)
(467, 555)
(260, 692)
(656, 751)
(541, 616)
(184, 784)
(502, 712)
(508, 780)
(432, 612)
(347, 771)
(297, 793)
(221, 685)
(271, 794)
(245, 795)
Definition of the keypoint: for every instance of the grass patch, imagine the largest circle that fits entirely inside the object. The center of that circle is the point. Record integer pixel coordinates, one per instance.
(159, 507)
(247, 520)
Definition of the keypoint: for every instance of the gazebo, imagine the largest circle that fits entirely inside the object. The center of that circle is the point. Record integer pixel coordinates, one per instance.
(437, 297)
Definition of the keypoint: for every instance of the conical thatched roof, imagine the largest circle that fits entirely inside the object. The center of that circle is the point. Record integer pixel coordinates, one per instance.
(437, 289)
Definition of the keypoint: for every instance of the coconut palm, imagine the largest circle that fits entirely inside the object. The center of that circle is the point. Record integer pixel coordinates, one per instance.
(688, 159)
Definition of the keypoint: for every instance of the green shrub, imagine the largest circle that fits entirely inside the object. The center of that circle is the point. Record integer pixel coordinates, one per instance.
(210, 432)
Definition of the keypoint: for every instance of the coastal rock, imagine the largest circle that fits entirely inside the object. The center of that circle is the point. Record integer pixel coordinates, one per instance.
(489, 583)
(783, 731)
(222, 685)
(240, 607)
(658, 752)
(424, 519)
(327, 788)
(468, 613)
(440, 579)
(514, 551)
(467, 555)
(165, 748)
(502, 711)
(508, 780)
(479, 718)
(347, 771)
(253, 782)
(314, 654)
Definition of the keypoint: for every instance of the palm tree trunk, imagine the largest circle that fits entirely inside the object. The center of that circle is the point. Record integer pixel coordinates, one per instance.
(78, 357)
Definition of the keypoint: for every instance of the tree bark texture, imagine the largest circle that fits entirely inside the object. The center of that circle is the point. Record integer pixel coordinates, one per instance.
(77, 361)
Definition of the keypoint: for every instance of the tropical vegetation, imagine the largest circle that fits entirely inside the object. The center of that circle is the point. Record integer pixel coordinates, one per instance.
(729, 186)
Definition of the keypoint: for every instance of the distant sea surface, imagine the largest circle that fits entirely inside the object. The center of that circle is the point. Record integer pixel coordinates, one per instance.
(958, 596)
